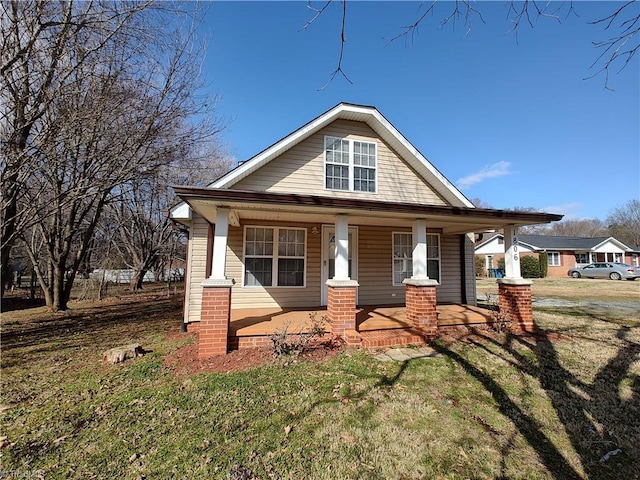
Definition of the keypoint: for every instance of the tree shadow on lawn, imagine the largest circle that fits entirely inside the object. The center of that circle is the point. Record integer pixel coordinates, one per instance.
(100, 326)
(596, 416)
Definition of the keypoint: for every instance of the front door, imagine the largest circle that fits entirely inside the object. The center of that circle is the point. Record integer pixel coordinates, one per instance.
(329, 256)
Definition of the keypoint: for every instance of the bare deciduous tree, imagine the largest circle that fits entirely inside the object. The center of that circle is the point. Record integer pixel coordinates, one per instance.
(143, 234)
(93, 95)
(624, 223)
(621, 27)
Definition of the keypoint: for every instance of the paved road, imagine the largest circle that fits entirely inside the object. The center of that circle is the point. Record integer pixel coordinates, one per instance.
(631, 307)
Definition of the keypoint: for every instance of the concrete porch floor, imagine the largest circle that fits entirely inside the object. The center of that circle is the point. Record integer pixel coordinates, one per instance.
(265, 321)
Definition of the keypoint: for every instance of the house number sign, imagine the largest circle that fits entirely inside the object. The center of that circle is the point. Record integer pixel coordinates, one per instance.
(514, 242)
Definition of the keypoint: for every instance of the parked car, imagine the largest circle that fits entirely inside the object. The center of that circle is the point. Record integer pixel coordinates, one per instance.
(612, 270)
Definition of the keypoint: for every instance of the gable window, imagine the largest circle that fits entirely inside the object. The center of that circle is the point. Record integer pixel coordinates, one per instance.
(274, 256)
(350, 165)
(403, 257)
(553, 259)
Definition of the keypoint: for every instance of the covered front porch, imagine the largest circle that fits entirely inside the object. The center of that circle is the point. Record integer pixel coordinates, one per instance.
(377, 326)
(280, 250)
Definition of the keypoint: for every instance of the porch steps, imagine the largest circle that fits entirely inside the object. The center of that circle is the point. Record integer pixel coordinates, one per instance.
(391, 338)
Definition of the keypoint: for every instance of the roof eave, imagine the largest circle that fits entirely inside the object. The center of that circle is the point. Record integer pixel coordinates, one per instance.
(228, 197)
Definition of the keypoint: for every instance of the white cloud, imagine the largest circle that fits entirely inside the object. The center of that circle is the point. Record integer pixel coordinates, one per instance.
(499, 169)
(570, 210)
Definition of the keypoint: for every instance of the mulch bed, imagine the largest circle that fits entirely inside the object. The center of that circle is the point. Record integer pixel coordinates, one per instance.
(185, 361)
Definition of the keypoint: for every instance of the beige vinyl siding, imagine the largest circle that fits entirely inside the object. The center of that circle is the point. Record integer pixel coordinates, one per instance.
(375, 267)
(450, 288)
(254, 297)
(301, 170)
(375, 263)
(470, 266)
(196, 268)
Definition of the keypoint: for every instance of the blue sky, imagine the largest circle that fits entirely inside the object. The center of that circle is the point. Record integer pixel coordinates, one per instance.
(513, 123)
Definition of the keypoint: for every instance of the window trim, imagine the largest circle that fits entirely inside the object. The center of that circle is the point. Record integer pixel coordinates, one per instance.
(393, 258)
(551, 255)
(351, 165)
(439, 258)
(274, 256)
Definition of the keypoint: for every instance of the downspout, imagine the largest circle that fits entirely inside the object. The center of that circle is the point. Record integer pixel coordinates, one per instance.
(183, 324)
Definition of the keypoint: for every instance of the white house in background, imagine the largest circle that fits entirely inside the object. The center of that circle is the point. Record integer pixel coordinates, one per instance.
(563, 253)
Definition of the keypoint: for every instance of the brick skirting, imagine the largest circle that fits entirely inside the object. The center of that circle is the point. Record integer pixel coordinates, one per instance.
(421, 308)
(214, 321)
(341, 309)
(515, 302)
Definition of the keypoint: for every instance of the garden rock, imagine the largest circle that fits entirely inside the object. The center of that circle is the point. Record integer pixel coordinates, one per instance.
(120, 354)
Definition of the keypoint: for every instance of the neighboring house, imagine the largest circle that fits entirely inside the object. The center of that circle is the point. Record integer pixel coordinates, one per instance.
(123, 275)
(563, 253)
(341, 214)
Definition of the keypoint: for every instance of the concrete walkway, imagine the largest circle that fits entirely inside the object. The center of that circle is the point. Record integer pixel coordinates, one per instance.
(404, 354)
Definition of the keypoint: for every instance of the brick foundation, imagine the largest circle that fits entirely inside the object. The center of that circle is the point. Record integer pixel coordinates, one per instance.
(420, 302)
(341, 309)
(515, 301)
(193, 327)
(214, 324)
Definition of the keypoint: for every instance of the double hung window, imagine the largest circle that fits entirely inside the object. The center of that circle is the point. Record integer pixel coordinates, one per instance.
(350, 165)
(553, 259)
(274, 256)
(403, 257)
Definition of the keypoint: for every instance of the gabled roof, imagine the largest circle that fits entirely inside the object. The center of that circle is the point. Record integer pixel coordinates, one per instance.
(563, 243)
(378, 123)
(550, 242)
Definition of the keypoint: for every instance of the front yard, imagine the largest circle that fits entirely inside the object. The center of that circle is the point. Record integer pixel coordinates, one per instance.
(562, 404)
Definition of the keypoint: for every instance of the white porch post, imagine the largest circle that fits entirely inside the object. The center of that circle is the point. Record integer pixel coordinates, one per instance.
(514, 292)
(219, 257)
(419, 228)
(342, 248)
(511, 254)
(213, 336)
(342, 292)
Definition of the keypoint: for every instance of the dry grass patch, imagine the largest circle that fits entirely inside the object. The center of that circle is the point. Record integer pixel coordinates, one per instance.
(573, 289)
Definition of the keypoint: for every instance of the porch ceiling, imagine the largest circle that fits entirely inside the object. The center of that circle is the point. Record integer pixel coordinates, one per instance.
(266, 206)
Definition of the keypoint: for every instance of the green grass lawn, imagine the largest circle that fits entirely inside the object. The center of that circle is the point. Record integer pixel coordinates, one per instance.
(491, 406)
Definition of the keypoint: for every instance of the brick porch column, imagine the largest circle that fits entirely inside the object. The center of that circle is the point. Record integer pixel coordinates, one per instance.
(420, 301)
(514, 300)
(341, 305)
(213, 330)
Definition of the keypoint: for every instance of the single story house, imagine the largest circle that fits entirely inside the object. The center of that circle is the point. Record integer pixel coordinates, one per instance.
(342, 217)
(563, 252)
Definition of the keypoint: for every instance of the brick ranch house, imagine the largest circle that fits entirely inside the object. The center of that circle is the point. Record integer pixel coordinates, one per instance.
(563, 253)
(346, 218)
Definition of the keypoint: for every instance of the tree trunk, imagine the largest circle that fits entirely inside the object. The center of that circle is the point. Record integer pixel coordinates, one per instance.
(59, 297)
(8, 229)
(137, 279)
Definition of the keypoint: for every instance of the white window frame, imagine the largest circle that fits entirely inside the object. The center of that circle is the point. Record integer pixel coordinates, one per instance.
(393, 258)
(551, 256)
(410, 234)
(274, 257)
(351, 165)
